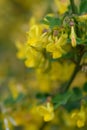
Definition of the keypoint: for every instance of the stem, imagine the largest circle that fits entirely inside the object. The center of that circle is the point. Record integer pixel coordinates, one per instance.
(43, 125)
(76, 70)
(74, 10)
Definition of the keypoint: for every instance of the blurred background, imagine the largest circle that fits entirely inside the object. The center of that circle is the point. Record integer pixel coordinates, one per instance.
(18, 84)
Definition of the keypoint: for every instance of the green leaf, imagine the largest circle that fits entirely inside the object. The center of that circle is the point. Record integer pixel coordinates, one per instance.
(10, 100)
(20, 98)
(55, 22)
(77, 91)
(85, 41)
(68, 55)
(45, 22)
(72, 105)
(79, 41)
(52, 21)
(42, 96)
(1, 125)
(74, 101)
(61, 99)
(83, 6)
(76, 94)
(85, 87)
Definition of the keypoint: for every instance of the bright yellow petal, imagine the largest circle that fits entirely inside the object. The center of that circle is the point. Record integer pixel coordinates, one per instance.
(21, 54)
(34, 31)
(34, 35)
(30, 62)
(57, 54)
(62, 5)
(42, 110)
(21, 50)
(51, 47)
(46, 111)
(50, 107)
(49, 116)
(80, 123)
(62, 40)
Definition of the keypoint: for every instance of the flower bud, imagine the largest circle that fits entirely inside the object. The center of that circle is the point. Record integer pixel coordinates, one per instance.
(73, 37)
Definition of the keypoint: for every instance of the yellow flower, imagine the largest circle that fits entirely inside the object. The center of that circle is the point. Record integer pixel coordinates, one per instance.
(13, 88)
(46, 111)
(31, 126)
(55, 47)
(32, 21)
(34, 58)
(36, 40)
(36, 37)
(56, 51)
(79, 117)
(32, 49)
(21, 50)
(62, 5)
(82, 17)
(73, 37)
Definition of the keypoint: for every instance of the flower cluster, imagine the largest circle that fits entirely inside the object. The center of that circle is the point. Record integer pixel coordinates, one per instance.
(77, 117)
(43, 42)
(47, 111)
(55, 47)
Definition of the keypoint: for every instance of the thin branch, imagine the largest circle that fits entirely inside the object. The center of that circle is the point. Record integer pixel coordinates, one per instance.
(76, 70)
(43, 125)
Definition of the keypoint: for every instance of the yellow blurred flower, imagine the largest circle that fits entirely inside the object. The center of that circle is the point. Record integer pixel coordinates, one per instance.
(31, 126)
(34, 57)
(46, 111)
(21, 50)
(32, 49)
(43, 80)
(82, 17)
(62, 5)
(13, 88)
(79, 117)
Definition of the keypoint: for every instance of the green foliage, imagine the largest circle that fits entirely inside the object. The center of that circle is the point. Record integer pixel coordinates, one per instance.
(11, 101)
(1, 128)
(85, 87)
(69, 98)
(52, 21)
(77, 94)
(75, 99)
(83, 6)
(61, 99)
(77, 91)
(42, 96)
